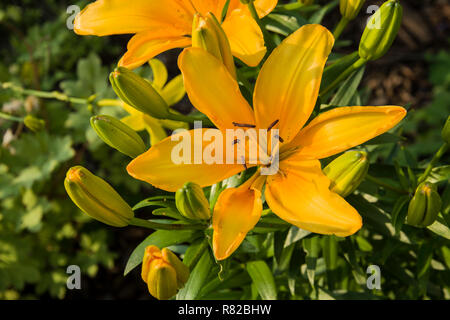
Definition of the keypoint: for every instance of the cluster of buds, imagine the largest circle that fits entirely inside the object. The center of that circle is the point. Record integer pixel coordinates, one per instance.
(95, 197)
(163, 272)
(347, 172)
(192, 203)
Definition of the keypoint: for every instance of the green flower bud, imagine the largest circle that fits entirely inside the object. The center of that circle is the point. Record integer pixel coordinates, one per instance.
(192, 203)
(33, 123)
(208, 34)
(97, 198)
(350, 8)
(446, 131)
(424, 207)
(381, 31)
(347, 172)
(138, 93)
(118, 135)
(163, 272)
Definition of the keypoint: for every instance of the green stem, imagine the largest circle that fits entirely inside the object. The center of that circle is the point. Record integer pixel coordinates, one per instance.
(385, 185)
(45, 94)
(355, 66)
(164, 226)
(340, 27)
(298, 6)
(438, 155)
(189, 118)
(9, 117)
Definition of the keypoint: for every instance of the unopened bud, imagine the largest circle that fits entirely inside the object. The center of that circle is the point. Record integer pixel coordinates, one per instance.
(33, 123)
(208, 34)
(347, 172)
(381, 31)
(118, 135)
(350, 8)
(97, 198)
(138, 93)
(163, 272)
(424, 206)
(192, 203)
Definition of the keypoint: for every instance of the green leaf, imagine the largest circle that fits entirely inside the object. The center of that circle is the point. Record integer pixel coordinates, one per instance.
(348, 89)
(161, 239)
(440, 229)
(262, 278)
(312, 249)
(197, 278)
(295, 234)
(318, 16)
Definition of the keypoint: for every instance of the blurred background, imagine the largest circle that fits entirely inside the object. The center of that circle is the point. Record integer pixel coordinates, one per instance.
(42, 232)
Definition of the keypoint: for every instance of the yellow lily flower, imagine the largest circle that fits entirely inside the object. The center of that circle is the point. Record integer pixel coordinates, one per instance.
(172, 92)
(285, 95)
(161, 25)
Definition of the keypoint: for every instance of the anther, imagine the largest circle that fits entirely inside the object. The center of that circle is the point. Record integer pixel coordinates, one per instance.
(235, 141)
(273, 125)
(243, 163)
(279, 138)
(243, 125)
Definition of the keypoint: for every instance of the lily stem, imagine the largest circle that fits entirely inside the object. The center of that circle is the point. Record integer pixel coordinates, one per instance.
(340, 28)
(189, 118)
(45, 94)
(385, 185)
(164, 226)
(355, 66)
(9, 117)
(433, 162)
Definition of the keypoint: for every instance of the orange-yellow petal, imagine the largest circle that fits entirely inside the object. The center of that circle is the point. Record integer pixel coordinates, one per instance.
(288, 84)
(135, 122)
(343, 128)
(263, 7)
(212, 90)
(299, 194)
(245, 37)
(106, 17)
(146, 45)
(171, 163)
(236, 212)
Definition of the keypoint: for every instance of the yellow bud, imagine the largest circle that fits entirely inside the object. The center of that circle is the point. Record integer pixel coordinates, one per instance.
(350, 8)
(118, 135)
(138, 93)
(97, 198)
(33, 123)
(424, 207)
(208, 34)
(347, 172)
(163, 272)
(192, 203)
(381, 31)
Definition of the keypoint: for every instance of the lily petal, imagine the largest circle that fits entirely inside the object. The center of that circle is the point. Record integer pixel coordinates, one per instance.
(343, 128)
(154, 129)
(159, 72)
(245, 37)
(236, 212)
(263, 7)
(174, 91)
(161, 166)
(145, 45)
(288, 84)
(300, 195)
(135, 122)
(212, 89)
(107, 17)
